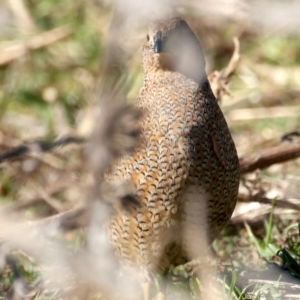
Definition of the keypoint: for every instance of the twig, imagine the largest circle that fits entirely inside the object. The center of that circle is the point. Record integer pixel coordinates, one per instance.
(246, 114)
(234, 61)
(41, 145)
(289, 136)
(287, 290)
(20, 48)
(48, 159)
(284, 203)
(71, 219)
(19, 205)
(21, 16)
(283, 152)
(42, 197)
(250, 216)
(219, 80)
(55, 205)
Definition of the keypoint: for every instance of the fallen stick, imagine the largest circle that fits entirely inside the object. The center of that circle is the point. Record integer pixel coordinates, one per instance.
(284, 203)
(18, 49)
(41, 146)
(262, 159)
(260, 113)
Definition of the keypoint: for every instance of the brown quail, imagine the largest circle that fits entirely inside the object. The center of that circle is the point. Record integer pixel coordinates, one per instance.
(185, 172)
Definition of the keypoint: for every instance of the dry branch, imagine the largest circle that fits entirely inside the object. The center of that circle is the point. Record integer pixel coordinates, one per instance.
(283, 152)
(247, 114)
(23, 204)
(219, 80)
(42, 146)
(287, 290)
(22, 16)
(284, 203)
(18, 49)
(73, 218)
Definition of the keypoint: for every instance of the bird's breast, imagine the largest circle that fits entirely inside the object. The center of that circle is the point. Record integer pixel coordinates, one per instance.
(172, 107)
(159, 169)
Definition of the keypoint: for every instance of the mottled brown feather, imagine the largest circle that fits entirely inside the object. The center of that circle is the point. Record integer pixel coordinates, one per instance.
(186, 162)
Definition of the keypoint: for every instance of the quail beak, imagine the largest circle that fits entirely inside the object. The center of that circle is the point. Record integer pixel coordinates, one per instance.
(157, 46)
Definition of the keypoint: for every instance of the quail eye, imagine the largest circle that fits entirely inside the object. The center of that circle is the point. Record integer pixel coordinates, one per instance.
(147, 37)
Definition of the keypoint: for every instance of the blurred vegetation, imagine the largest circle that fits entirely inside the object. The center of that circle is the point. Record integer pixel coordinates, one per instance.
(45, 93)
